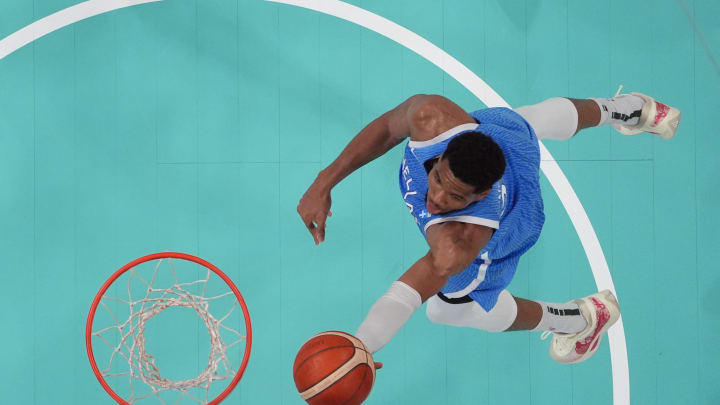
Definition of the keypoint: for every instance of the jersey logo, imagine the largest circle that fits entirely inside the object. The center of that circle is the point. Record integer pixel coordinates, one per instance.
(408, 191)
(502, 196)
(408, 180)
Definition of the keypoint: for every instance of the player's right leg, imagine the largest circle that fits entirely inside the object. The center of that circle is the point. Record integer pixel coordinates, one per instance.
(468, 313)
(578, 325)
(561, 118)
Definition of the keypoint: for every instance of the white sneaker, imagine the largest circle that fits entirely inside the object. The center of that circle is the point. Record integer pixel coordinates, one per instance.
(601, 311)
(656, 118)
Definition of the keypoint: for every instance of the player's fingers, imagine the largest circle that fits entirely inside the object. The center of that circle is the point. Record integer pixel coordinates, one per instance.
(314, 232)
(316, 235)
(312, 228)
(321, 233)
(304, 217)
(378, 365)
(320, 220)
(309, 225)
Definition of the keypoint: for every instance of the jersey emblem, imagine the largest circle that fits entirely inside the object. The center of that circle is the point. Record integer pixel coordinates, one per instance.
(502, 196)
(408, 180)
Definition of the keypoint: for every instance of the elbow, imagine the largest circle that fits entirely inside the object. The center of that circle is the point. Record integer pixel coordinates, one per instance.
(415, 98)
(448, 262)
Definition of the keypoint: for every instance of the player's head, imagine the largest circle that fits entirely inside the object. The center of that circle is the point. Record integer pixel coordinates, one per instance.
(465, 173)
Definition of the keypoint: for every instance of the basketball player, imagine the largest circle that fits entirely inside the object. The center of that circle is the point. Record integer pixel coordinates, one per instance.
(470, 180)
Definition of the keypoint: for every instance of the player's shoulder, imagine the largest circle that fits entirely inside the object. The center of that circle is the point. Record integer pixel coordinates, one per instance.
(430, 115)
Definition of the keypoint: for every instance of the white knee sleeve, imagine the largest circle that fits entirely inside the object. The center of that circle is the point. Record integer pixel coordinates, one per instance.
(555, 118)
(472, 315)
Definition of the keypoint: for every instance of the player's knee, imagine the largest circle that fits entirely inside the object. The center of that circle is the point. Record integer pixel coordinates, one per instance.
(496, 321)
(502, 315)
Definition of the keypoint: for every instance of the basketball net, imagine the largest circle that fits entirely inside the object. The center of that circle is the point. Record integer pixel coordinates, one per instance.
(131, 345)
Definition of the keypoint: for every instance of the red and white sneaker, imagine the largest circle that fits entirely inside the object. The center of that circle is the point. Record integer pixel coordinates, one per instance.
(655, 117)
(601, 311)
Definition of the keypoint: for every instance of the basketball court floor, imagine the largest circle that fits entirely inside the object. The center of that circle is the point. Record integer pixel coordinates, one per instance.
(196, 125)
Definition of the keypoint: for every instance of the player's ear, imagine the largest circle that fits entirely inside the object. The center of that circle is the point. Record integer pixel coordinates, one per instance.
(482, 195)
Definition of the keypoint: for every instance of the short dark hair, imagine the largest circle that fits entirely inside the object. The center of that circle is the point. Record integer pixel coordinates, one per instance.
(475, 159)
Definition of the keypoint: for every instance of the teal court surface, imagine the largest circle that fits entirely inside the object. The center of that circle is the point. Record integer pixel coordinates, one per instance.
(196, 125)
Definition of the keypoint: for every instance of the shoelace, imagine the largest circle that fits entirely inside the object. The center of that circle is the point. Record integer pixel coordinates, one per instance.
(547, 333)
(618, 91)
(560, 345)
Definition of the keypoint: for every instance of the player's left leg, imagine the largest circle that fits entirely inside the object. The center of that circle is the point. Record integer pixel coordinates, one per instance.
(561, 118)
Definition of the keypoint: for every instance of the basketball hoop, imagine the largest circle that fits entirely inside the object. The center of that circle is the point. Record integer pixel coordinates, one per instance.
(148, 290)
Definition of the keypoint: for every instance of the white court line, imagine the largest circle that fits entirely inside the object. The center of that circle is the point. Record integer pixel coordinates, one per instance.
(560, 183)
(424, 48)
(62, 18)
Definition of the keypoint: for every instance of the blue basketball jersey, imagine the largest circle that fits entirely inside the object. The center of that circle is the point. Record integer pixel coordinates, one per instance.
(514, 207)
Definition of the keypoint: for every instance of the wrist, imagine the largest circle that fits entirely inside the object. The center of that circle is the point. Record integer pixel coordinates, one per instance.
(324, 180)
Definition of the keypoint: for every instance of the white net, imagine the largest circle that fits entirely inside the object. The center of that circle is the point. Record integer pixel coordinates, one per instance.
(126, 338)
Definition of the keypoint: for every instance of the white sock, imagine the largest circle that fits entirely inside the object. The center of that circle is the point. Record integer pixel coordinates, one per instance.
(563, 318)
(622, 110)
(388, 315)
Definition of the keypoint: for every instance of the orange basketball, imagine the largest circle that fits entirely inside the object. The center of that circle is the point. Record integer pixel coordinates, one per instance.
(334, 368)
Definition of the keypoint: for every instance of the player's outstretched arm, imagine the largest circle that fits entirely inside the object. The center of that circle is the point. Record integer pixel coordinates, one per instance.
(453, 246)
(373, 141)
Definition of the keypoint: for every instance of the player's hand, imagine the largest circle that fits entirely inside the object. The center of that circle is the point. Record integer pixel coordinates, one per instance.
(314, 208)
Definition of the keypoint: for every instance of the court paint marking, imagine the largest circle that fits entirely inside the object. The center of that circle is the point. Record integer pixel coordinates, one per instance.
(60, 19)
(560, 183)
(451, 66)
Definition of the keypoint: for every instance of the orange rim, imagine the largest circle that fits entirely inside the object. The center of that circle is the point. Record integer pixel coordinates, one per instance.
(166, 255)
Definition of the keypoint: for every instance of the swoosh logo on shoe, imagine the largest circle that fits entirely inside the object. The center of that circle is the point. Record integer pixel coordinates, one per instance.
(662, 112)
(603, 316)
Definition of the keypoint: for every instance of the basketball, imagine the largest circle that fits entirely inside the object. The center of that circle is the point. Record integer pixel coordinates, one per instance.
(334, 368)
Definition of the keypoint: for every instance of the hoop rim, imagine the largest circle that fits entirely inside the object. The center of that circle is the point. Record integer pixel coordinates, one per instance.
(167, 255)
